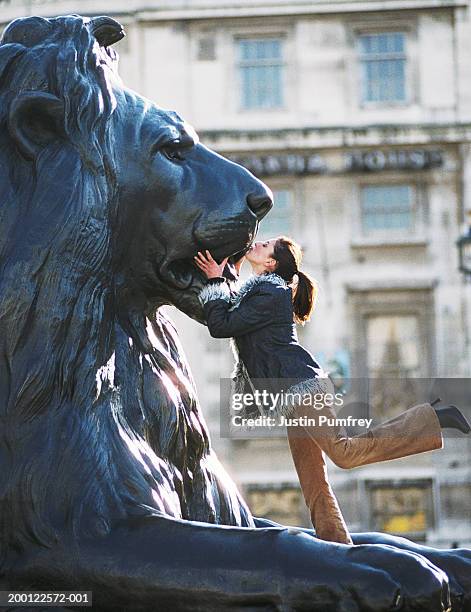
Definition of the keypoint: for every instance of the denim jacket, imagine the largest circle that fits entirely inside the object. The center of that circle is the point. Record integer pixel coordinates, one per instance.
(259, 321)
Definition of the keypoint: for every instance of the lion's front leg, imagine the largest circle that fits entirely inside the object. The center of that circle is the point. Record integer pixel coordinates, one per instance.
(160, 563)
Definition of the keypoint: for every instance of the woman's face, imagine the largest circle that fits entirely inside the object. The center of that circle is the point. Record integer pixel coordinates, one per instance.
(261, 253)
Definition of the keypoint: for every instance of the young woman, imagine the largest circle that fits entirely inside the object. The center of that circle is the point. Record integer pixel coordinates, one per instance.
(261, 321)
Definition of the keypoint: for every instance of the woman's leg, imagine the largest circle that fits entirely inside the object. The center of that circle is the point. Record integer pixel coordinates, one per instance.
(414, 431)
(326, 516)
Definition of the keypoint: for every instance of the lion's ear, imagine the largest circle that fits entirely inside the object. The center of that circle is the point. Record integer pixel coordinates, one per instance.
(36, 118)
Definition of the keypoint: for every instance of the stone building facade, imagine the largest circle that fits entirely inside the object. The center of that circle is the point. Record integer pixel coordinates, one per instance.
(358, 115)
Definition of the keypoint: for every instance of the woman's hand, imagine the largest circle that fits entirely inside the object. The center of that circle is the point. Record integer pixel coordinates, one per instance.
(207, 264)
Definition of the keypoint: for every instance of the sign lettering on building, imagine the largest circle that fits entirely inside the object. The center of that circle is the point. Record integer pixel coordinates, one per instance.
(283, 163)
(354, 161)
(405, 159)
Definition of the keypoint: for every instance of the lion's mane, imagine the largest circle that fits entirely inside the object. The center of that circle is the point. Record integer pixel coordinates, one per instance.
(99, 418)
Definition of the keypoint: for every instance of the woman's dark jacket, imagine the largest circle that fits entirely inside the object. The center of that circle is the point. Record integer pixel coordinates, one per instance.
(259, 318)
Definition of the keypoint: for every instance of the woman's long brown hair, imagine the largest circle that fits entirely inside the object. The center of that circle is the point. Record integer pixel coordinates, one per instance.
(288, 254)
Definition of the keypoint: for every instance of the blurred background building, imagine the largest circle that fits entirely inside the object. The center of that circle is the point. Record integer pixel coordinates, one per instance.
(357, 114)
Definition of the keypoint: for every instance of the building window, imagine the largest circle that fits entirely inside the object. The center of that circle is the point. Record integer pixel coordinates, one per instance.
(261, 72)
(387, 207)
(383, 67)
(401, 508)
(280, 219)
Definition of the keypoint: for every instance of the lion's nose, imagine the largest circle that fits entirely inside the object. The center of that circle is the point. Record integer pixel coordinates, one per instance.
(260, 203)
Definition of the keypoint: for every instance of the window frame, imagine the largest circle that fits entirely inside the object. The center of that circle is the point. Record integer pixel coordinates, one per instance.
(259, 63)
(361, 58)
(379, 232)
(418, 234)
(392, 24)
(259, 34)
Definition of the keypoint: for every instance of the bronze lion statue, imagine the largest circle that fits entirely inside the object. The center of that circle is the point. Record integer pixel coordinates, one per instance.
(108, 482)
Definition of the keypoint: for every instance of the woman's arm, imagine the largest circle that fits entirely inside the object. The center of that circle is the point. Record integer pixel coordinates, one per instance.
(253, 312)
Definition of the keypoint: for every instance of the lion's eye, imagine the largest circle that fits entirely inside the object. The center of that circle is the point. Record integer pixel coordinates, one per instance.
(174, 150)
(172, 153)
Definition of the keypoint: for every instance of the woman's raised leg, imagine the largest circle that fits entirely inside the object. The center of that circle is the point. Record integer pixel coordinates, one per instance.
(415, 430)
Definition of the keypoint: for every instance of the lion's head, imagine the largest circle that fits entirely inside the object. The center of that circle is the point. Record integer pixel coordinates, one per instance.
(139, 170)
(104, 200)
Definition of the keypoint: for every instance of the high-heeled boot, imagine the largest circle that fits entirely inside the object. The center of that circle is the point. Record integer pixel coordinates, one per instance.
(451, 416)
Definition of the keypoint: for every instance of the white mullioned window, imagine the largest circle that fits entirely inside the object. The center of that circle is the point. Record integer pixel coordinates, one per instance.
(383, 62)
(387, 207)
(260, 64)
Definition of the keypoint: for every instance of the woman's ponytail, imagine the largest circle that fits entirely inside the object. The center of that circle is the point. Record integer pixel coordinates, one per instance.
(288, 255)
(304, 298)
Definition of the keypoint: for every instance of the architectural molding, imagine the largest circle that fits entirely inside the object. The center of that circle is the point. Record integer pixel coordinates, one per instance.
(401, 284)
(316, 137)
(187, 10)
